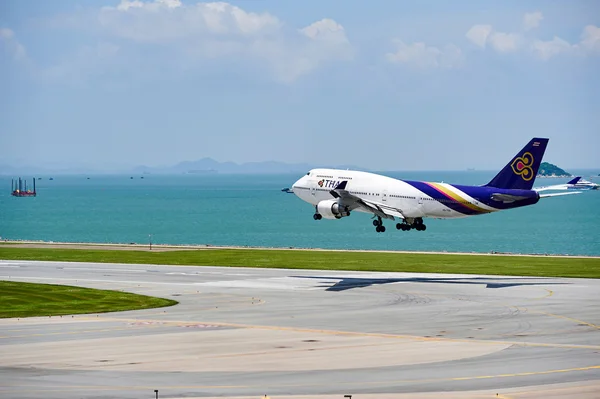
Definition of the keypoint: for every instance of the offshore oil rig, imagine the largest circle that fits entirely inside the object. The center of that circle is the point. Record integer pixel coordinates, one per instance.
(19, 188)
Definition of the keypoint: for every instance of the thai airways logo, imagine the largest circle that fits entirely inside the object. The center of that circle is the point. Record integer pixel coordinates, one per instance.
(522, 166)
(326, 183)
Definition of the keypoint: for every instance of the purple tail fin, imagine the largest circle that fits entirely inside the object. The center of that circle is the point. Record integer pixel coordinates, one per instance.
(521, 171)
(575, 180)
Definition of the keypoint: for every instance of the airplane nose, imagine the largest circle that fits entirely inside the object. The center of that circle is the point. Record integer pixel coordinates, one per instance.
(297, 183)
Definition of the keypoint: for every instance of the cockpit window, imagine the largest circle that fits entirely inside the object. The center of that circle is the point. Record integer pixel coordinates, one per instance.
(308, 174)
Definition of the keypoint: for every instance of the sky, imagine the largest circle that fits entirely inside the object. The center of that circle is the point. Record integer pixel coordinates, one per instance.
(387, 85)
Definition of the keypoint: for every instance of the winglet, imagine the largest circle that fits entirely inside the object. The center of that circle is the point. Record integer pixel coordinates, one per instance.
(342, 185)
(575, 180)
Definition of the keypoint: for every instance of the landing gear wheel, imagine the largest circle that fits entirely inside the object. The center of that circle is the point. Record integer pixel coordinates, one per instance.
(399, 226)
(380, 229)
(317, 216)
(377, 222)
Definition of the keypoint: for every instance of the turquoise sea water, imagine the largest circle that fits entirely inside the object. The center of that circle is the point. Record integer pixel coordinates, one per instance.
(250, 210)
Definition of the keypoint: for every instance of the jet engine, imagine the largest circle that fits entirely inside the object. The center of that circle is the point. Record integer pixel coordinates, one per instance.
(331, 209)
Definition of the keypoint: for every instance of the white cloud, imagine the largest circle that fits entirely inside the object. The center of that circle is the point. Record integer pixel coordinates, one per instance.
(532, 20)
(163, 21)
(9, 41)
(478, 34)
(589, 44)
(423, 56)
(482, 35)
(212, 30)
(126, 5)
(548, 49)
(504, 42)
(590, 38)
(325, 30)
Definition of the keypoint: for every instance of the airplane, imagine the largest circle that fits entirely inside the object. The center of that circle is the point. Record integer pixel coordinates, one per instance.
(335, 193)
(575, 184)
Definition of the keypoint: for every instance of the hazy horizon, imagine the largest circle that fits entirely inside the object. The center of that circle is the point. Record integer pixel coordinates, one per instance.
(139, 170)
(114, 84)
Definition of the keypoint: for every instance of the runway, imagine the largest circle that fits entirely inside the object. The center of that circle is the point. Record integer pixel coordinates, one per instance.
(246, 332)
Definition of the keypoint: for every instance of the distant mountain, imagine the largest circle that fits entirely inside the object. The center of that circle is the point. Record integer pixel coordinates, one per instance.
(549, 170)
(209, 165)
(201, 166)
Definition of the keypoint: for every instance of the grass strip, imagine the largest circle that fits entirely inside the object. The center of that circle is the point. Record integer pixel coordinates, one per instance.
(28, 299)
(326, 260)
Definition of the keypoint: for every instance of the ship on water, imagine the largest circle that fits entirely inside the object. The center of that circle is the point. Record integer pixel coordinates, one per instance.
(19, 188)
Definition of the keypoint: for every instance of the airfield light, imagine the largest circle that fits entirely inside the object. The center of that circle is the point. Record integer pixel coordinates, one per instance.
(156, 392)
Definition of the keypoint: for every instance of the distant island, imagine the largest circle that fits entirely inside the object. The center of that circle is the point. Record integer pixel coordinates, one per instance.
(549, 170)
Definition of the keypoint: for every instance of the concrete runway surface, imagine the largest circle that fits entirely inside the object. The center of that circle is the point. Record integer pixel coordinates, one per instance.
(244, 333)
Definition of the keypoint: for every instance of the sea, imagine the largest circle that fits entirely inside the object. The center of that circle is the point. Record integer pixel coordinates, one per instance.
(251, 210)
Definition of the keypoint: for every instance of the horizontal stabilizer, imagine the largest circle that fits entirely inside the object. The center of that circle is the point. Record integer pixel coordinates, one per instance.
(507, 197)
(559, 194)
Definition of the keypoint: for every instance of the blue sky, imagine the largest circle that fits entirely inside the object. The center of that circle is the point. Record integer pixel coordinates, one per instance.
(386, 85)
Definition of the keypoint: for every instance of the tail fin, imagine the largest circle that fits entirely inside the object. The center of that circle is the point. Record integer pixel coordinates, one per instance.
(575, 180)
(521, 171)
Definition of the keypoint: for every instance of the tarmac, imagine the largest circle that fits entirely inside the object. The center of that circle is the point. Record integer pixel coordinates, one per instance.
(246, 332)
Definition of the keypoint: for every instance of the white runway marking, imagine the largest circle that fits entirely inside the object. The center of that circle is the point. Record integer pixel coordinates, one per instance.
(94, 280)
(212, 273)
(97, 269)
(276, 283)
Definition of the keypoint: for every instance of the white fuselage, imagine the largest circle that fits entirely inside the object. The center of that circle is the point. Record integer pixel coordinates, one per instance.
(316, 185)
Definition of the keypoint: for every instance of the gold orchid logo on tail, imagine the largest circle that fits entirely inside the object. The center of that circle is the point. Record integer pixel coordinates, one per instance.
(522, 166)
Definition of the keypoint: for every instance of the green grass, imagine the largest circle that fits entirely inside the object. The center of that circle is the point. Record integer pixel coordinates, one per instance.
(28, 300)
(326, 260)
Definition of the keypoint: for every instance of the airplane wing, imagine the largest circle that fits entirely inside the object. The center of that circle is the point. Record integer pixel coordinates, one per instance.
(559, 194)
(353, 202)
(555, 187)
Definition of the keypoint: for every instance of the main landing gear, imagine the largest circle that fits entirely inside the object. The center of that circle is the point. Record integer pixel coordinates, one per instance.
(317, 216)
(406, 225)
(379, 227)
(417, 224)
